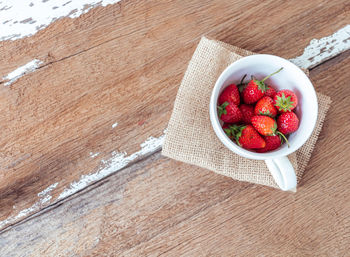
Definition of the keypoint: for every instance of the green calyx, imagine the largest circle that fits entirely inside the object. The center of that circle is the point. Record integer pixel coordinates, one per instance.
(274, 129)
(222, 109)
(228, 132)
(266, 113)
(235, 131)
(260, 83)
(284, 103)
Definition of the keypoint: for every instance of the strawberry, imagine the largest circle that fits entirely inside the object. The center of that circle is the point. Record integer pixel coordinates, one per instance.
(265, 107)
(285, 100)
(252, 93)
(230, 94)
(265, 125)
(287, 122)
(255, 89)
(229, 112)
(247, 137)
(247, 113)
(270, 91)
(272, 143)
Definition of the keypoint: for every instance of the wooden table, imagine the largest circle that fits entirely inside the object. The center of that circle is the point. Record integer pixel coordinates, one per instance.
(83, 122)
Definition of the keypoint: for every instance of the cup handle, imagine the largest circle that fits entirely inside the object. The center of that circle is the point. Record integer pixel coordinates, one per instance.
(283, 173)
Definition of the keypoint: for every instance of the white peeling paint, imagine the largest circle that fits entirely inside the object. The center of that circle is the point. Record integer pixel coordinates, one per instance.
(47, 190)
(115, 163)
(44, 200)
(21, 71)
(93, 155)
(19, 19)
(115, 125)
(320, 50)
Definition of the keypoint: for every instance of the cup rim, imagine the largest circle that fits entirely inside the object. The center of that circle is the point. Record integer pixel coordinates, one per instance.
(233, 146)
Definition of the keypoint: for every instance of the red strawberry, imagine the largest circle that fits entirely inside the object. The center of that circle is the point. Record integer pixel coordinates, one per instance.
(247, 113)
(265, 125)
(255, 89)
(285, 100)
(265, 107)
(247, 137)
(230, 94)
(252, 92)
(270, 91)
(272, 143)
(287, 122)
(229, 112)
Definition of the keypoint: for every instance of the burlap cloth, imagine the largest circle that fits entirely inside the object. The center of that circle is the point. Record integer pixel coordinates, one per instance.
(190, 137)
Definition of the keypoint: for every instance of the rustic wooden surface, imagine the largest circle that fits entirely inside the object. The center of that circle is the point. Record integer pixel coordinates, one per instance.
(123, 63)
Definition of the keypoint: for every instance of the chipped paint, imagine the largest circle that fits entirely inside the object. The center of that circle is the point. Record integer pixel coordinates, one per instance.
(44, 200)
(115, 163)
(45, 192)
(115, 125)
(19, 19)
(320, 50)
(21, 71)
(93, 155)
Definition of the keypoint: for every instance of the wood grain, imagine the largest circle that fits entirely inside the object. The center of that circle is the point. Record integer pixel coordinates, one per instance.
(162, 207)
(122, 63)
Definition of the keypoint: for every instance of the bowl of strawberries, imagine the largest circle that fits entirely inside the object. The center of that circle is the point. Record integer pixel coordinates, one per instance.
(264, 107)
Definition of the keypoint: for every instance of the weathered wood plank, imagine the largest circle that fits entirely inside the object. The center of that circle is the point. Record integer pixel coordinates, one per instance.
(20, 19)
(162, 207)
(119, 64)
(131, 192)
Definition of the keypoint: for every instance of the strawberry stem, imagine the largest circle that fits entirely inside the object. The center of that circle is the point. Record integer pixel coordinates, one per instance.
(271, 74)
(241, 83)
(284, 137)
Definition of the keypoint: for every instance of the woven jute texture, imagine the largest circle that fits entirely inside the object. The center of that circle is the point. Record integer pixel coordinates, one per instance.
(190, 137)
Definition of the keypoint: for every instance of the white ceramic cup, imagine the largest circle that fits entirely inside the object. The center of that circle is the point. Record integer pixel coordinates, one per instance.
(291, 77)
